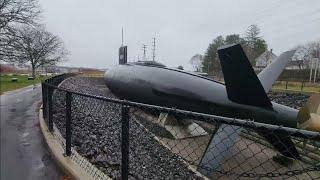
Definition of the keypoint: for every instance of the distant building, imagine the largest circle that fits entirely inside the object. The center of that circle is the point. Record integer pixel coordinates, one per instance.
(6, 68)
(26, 68)
(268, 57)
(295, 64)
(64, 69)
(265, 59)
(14, 67)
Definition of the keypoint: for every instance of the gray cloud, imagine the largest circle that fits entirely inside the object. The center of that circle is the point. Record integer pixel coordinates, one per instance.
(91, 29)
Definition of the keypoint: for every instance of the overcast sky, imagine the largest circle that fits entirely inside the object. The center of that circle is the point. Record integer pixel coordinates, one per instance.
(91, 29)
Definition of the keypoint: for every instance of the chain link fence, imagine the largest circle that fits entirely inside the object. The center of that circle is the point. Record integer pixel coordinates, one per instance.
(130, 140)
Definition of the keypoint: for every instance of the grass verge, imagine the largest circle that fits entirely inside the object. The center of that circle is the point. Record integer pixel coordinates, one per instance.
(297, 87)
(22, 81)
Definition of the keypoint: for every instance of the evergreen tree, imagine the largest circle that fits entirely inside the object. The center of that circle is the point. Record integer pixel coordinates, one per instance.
(254, 44)
(211, 64)
(234, 39)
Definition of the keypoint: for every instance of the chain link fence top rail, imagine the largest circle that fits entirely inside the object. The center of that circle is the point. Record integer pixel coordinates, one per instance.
(161, 146)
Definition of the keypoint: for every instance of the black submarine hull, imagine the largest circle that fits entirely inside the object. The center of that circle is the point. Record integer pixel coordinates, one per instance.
(178, 89)
(182, 90)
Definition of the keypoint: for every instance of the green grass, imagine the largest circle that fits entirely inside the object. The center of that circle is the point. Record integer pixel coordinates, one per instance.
(7, 85)
(296, 87)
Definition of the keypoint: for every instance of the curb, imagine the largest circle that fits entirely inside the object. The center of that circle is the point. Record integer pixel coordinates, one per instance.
(68, 164)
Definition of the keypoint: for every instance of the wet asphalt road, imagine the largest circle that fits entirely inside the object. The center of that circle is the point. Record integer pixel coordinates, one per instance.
(24, 154)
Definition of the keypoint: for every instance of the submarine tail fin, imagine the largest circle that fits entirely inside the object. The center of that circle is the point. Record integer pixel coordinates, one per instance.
(244, 87)
(242, 83)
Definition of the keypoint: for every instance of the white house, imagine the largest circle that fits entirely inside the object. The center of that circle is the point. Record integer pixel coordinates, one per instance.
(265, 59)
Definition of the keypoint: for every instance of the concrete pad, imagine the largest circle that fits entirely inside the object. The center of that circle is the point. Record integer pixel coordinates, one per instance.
(178, 129)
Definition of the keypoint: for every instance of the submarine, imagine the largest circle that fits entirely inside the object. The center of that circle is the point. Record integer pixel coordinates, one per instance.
(242, 96)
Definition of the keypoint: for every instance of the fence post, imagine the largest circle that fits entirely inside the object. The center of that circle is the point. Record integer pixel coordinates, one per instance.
(49, 98)
(44, 100)
(68, 123)
(124, 142)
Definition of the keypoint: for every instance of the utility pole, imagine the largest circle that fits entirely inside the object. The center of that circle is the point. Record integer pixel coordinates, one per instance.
(144, 51)
(154, 49)
(315, 69)
(317, 64)
(311, 64)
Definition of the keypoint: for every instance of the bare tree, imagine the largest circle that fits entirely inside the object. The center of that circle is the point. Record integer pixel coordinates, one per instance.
(36, 46)
(196, 62)
(306, 52)
(302, 55)
(14, 13)
(17, 11)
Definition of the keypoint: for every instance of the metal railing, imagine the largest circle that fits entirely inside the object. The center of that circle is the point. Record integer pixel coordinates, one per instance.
(133, 140)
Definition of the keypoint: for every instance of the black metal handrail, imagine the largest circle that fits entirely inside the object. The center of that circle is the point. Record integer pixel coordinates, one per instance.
(247, 123)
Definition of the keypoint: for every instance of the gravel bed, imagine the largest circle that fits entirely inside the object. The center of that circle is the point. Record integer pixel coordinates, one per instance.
(97, 133)
(97, 136)
(294, 100)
